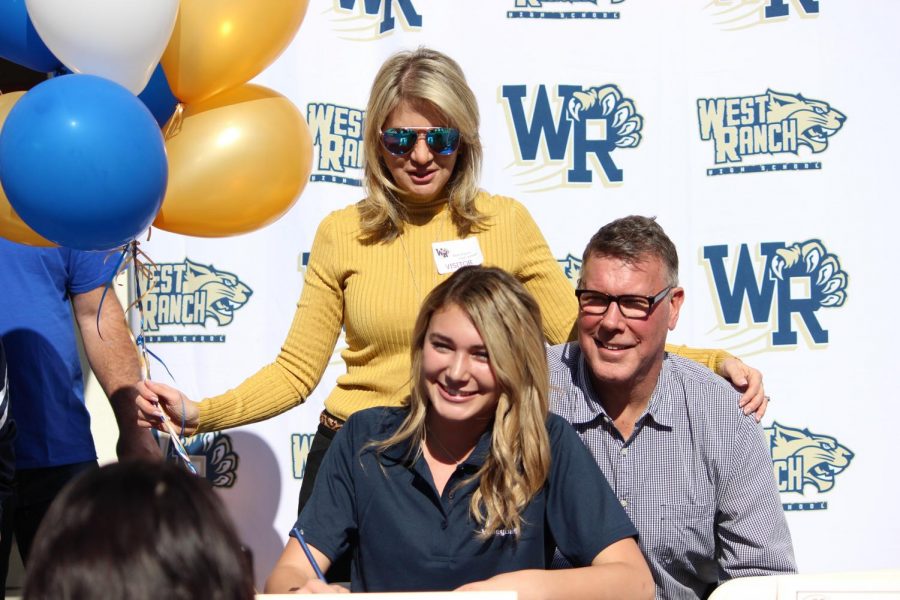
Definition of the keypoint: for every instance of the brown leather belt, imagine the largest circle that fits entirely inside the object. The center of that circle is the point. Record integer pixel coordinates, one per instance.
(330, 421)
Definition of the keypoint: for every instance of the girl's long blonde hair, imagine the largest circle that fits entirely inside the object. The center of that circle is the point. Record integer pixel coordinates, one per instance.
(422, 77)
(509, 321)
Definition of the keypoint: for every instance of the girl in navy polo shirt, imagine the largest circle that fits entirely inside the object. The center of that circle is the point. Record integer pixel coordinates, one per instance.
(473, 483)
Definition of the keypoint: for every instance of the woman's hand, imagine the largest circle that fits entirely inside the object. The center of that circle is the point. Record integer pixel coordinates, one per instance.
(293, 573)
(154, 398)
(748, 381)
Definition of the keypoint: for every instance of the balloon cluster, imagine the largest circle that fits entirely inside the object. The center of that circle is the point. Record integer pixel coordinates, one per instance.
(83, 162)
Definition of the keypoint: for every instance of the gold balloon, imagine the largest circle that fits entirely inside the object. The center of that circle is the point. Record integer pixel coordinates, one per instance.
(237, 162)
(218, 44)
(12, 227)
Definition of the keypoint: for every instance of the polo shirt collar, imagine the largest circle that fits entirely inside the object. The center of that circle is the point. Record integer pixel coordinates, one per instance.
(482, 450)
(401, 453)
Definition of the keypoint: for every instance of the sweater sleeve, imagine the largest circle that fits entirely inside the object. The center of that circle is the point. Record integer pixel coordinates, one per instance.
(543, 277)
(296, 371)
(709, 358)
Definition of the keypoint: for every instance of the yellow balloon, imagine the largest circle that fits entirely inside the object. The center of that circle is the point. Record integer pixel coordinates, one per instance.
(218, 44)
(12, 227)
(237, 162)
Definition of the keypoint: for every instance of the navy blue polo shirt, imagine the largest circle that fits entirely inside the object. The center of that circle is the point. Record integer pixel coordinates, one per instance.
(406, 537)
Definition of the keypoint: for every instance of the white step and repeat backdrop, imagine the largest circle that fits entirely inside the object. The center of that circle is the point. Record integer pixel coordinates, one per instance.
(760, 132)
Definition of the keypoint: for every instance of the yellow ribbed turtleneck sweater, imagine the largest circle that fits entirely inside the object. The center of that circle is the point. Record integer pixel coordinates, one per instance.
(374, 291)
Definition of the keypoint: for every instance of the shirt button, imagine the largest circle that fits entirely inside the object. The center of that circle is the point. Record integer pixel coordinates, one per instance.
(451, 495)
(624, 452)
(624, 503)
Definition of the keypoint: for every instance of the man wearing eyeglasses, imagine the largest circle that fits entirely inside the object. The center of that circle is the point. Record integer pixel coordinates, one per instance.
(692, 471)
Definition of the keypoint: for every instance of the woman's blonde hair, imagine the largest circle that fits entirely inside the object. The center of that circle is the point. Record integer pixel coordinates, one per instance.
(509, 321)
(420, 78)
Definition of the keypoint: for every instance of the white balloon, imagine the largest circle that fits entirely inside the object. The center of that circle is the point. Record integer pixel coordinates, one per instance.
(121, 40)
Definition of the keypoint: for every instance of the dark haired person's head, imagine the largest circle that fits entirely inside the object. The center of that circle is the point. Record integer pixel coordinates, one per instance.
(138, 530)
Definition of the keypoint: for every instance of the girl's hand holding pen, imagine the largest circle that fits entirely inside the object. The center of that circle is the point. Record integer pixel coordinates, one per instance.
(317, 584)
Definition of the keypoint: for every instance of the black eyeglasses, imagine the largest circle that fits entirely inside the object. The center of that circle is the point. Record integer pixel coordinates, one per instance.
(400, 141)
(631, 306)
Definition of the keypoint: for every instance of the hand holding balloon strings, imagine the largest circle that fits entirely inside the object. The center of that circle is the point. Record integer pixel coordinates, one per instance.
(140, 268)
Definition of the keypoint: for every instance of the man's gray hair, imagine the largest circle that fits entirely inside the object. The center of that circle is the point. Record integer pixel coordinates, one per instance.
(634, 239)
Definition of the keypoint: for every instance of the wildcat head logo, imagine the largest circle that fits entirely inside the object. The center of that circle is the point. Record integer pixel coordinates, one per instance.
(211, 453)
(545, 9)
(189, 293)
(816, 120)
(797, 279)
(770, 123)
(741, 14)
(801, 458)
(368, 20)
(585, 123)
(337, 133)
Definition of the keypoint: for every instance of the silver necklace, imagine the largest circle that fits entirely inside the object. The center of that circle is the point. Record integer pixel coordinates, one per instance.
(443, 448)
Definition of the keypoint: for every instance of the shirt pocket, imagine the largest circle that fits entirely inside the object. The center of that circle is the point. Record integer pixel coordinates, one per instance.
(686, 537)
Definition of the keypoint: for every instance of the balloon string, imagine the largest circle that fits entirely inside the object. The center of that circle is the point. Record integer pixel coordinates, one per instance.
(140, 260)
(131, 254)
(142, 267)
(119, 268)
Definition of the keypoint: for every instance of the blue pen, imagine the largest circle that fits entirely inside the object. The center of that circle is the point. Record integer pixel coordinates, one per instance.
(296, 533)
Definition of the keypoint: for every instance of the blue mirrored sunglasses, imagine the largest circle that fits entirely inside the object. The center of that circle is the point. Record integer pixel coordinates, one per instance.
(400, 141)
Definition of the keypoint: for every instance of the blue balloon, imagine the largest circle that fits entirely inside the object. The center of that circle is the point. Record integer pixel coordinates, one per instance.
(83, 162)
(20, 42)
(158, 96)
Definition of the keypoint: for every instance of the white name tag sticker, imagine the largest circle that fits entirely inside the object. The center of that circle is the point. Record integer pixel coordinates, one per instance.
(453, 255)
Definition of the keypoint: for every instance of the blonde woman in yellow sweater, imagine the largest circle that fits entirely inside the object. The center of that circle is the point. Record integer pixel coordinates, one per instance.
(372, 264)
